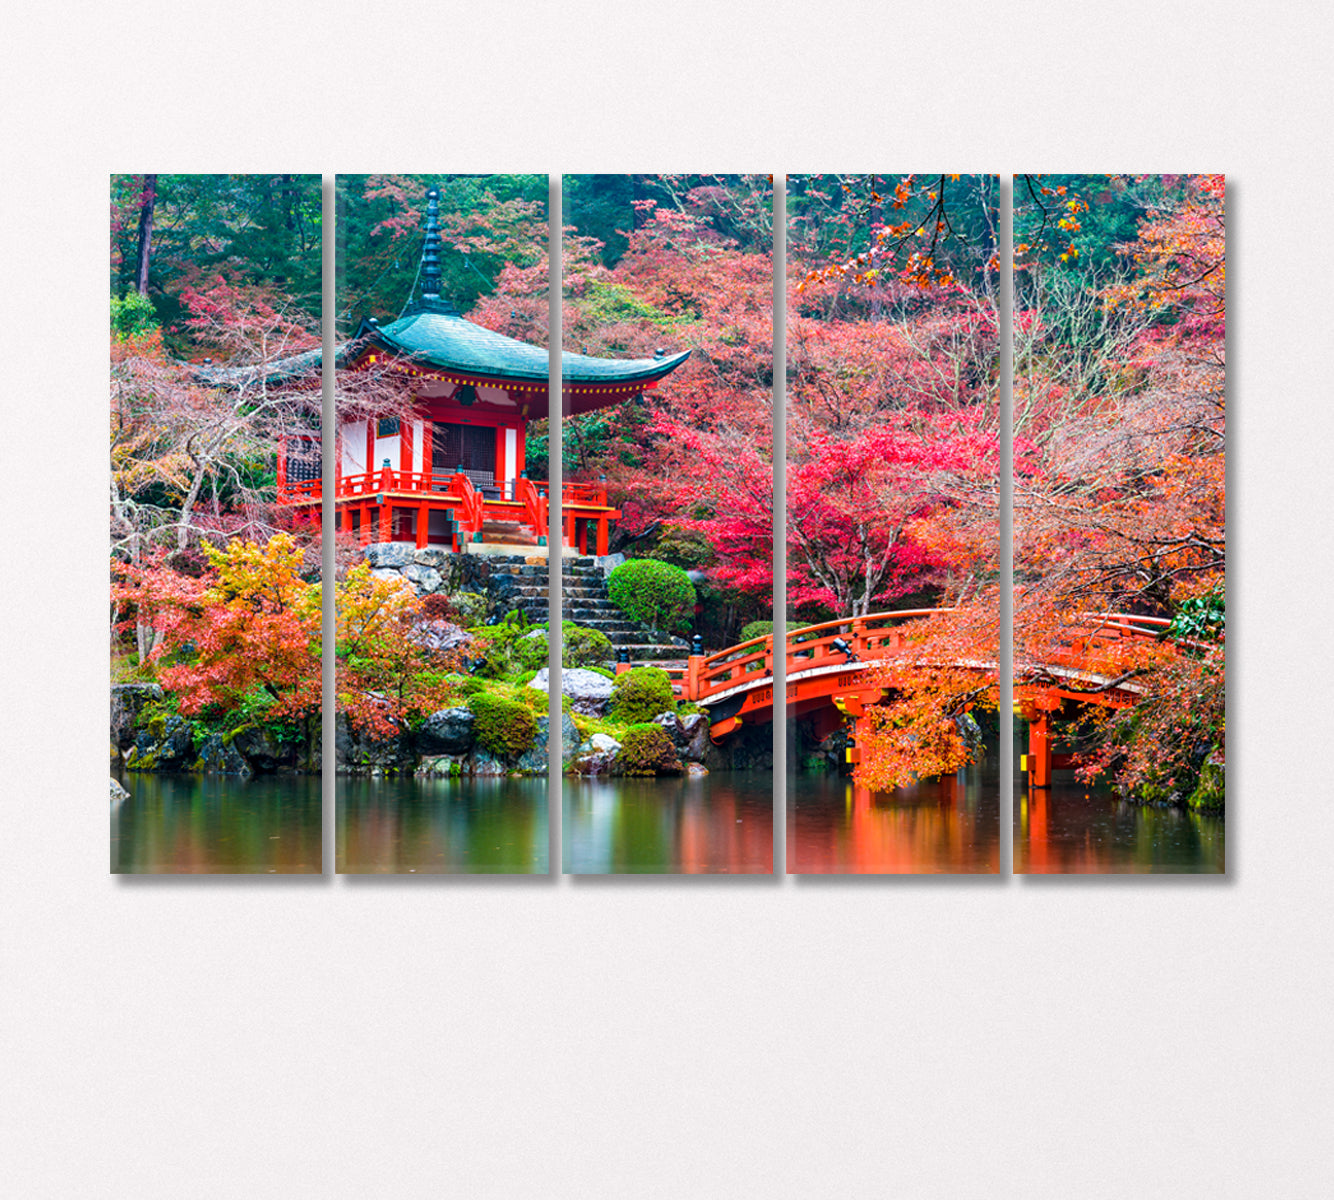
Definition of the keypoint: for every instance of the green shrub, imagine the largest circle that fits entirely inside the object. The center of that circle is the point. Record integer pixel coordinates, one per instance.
(647, 750)
(509, 649)
(656, 593)
(503, 727)
(583, 647)
(756, 629)
(132, 316)
(640, 694)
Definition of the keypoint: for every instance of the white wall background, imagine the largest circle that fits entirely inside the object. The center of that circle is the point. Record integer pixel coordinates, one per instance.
(477, 1038)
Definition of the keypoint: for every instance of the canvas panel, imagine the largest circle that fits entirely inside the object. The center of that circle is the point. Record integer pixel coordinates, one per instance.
(442, 539)
(1119, 523)
(668, 523)
(893, 422)
(215, 560)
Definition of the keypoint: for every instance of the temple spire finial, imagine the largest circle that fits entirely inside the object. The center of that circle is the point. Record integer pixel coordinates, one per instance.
(431, 249)
(431, 300)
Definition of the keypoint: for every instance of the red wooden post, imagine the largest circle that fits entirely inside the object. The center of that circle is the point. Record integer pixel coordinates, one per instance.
(1039, 749)
(282, 467)
(423, 524)
(694, 669)
(604, 535)
(386, 520)
(854, 752)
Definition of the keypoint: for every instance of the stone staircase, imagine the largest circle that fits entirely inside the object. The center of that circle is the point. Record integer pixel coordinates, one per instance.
(584, 601)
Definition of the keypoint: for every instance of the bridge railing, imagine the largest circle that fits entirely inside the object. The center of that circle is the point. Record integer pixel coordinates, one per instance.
(852, 639)
(881, 635)
(1098, 641)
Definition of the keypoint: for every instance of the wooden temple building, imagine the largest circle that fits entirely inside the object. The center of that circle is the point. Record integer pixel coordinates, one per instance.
(454, 474)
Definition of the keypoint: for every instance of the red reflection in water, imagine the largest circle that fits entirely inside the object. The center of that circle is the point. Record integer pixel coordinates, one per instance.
(1066, 830)
(938, 826)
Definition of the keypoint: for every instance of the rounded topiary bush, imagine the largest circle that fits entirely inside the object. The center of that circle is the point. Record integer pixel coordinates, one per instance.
(583, 647)
(640, 694)
(647, 750)
(656, 593)
(503, 727)
(756, 629)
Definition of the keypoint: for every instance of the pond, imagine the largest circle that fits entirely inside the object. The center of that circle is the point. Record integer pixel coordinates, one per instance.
(468, 825)
(217, 824)
(1071, 829)
(720, 823)
(937, 826)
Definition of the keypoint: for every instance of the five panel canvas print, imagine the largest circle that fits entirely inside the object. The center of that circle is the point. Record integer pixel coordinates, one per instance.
(904, 446)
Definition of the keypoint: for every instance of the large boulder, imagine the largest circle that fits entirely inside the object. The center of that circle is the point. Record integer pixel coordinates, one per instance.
(597, 756)
(358, 754)
(589, 692)
(425, 579)
(432, 556)
(127, 702)
(448, 731)
(486, 764)
(690, 734)
(694, 737)
(167, 745)
(535, 761)
(262, 750)
(218, 756)
(390, 554)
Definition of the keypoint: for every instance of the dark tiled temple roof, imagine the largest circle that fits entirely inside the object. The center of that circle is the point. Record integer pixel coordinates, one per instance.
(449, 342)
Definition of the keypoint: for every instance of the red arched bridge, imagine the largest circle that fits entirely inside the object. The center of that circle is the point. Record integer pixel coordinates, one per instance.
(829, 677)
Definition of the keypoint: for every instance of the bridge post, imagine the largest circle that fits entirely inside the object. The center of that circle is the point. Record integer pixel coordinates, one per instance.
(1039, 749)
(694, 668)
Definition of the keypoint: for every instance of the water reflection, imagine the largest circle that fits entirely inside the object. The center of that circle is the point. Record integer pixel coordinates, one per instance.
(718, 824)
(948, 826)
(442, 826)
(1072, 830)
(211, 824)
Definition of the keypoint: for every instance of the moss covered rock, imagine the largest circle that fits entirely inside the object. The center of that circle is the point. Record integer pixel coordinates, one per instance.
(641, 694)
(647, 750)
(503, 727)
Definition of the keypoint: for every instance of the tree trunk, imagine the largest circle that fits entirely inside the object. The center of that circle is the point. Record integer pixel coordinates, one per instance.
(146, 207)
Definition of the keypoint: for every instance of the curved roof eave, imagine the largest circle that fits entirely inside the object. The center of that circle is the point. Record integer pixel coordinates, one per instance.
(448, 342)
(453, 343)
